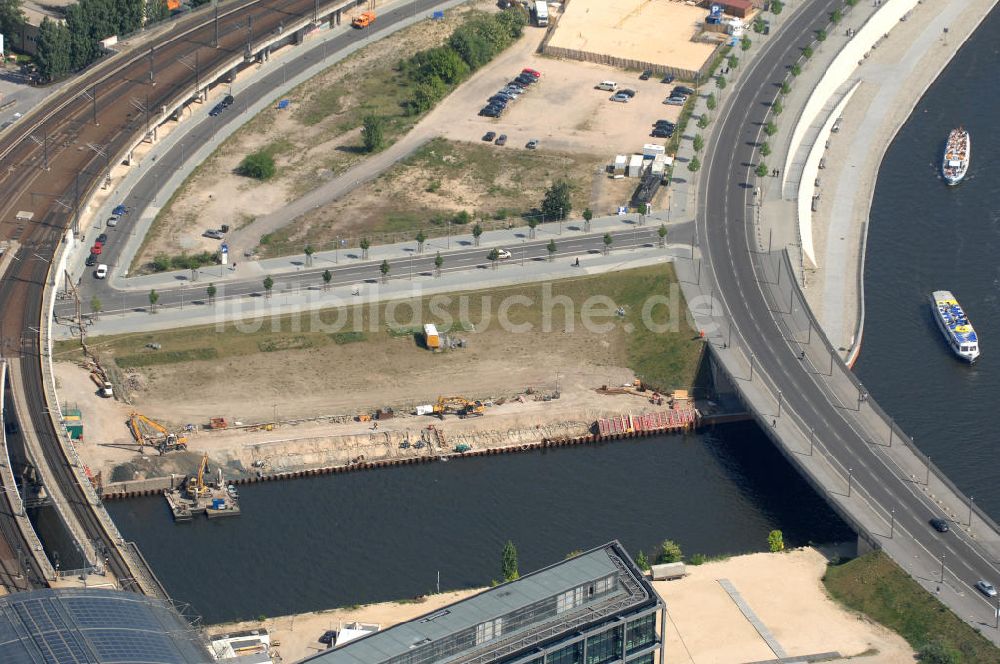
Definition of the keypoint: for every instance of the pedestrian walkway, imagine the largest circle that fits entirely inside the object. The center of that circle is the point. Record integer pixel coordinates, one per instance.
(758, 625)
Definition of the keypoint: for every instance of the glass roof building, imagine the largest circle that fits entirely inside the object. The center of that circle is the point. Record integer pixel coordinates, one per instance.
(594, 608)
(95, 626)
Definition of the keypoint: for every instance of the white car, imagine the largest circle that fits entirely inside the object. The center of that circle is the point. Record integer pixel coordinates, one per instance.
(101, 271)
(503, 254)
(112, 221)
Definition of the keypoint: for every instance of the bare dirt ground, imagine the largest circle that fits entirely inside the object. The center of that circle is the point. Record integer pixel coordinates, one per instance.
(586, 124)
(783, 589)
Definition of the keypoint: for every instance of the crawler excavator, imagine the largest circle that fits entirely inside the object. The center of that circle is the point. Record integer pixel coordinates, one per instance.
(459, 405)
(196, 485)
(147, 432)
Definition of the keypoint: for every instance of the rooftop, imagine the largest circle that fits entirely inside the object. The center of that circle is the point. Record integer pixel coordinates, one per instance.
(540, 606)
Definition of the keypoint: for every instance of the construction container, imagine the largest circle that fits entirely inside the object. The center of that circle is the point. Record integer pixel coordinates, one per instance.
(635, 166)
(218, 503)
(75, 430)
(72, 414)
(650, 150)
(621, 162)
(431, 337)
(667, 571)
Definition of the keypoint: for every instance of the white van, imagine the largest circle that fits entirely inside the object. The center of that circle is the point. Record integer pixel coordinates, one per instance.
(610, 86)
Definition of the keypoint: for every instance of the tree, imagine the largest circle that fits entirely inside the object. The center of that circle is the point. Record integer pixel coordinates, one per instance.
(807, 52)
(588, 214)
(835, 16)
(641, 561)
(796, 69)
(761, 169)
(785, 88)
(776, 107)
(662, 232)
(258, 165)
(669, 552)
(327, 278)
(936, 652)
(532, 225)
(156, 10)
(12, 18)
(758, 25)
(775, 541)
(733, 62)
(556, 204)
(309, 251)
(711, 102)
(384, 269)
(694, 164)
(703, 121)
(508, 562)
(54, 50)
(776, 7)
(770, 129)
(821, 35)
(210, 292)
(438, 262)
(365, 246)
(374, 131)
(154, 297)
(95, 306)
(745, 43)
(477, 232)
(765, 149)
(698, 143)
(493, 256)
(551, 247)
(721, 83)
(268, 285)
(421, 237)
(608, 241)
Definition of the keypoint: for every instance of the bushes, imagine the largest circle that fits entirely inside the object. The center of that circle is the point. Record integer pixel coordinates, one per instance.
(163, 262)
(258, 165)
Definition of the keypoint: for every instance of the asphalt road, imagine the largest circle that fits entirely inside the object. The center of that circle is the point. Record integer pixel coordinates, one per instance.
(725, 235)
(349, 271)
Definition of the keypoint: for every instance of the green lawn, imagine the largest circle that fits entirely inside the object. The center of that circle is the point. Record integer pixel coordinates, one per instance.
(874, 585)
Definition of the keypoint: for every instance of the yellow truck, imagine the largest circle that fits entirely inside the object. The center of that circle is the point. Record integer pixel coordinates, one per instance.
(363, 20)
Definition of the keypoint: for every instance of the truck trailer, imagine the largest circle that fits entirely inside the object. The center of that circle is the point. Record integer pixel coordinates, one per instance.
(541, 13)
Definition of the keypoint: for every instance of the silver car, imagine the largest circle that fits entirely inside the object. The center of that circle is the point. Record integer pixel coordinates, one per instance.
(986, 588)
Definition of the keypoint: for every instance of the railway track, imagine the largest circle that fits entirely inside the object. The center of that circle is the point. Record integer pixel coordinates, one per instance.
(57, 156)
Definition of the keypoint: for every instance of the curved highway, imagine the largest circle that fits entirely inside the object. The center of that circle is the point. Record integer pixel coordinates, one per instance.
(729, 245)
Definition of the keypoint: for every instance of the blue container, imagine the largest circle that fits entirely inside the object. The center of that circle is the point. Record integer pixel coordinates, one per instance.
(218, 503)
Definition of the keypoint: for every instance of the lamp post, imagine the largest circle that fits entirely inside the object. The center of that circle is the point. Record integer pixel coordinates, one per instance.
(779, 402)
(850, 475)
(892, 522)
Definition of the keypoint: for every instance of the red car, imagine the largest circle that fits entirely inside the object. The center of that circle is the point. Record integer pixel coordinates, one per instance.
(96, 250)
(531, 72)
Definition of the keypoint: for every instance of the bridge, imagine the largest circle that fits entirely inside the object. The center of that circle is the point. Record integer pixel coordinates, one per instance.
(743, 293)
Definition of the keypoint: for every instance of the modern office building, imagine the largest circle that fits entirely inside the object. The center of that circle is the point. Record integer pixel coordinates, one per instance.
(594, 608)
(95, 626)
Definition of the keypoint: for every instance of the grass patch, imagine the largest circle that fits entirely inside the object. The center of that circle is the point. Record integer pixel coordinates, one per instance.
(874, 585)
(666, 359)
(158, 357)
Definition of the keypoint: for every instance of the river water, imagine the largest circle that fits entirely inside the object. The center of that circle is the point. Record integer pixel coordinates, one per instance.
(926, 236)
(338, 540)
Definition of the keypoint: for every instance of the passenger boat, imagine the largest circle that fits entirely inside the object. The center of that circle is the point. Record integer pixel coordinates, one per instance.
(957, 153)
(955, 325)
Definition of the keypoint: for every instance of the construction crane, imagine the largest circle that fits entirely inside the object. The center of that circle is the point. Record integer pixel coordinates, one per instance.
(459, 405)
(147, 432)
(196, 485)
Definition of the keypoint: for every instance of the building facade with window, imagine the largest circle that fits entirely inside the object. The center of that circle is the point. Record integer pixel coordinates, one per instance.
(594, 608)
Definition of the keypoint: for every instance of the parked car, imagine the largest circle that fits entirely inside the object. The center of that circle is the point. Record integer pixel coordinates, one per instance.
(329, 636)
(646, 73)
(213, 234)
(102, 238)
(517, 83)
(681, 90)
(91, 260)
(662, 132)
(217, 110)
(101, 271)
(609, 86)
(986, 588)
(627, 91)
(119, 210)
(532, 144)
(532, 72)
(667, 78)
(675, 101)
(489, 136)
(503, 254)
(526, 79)
(502, 139)
(513, 90)
(227, 101)
(112, 221)
(619, 97)
(939, 525)
(662, 122)
(490, 111)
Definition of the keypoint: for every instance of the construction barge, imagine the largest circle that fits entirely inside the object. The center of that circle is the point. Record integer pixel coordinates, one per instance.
(196, 496)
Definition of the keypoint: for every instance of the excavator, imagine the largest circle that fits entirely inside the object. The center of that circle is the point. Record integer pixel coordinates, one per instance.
(196, 486)
(147, 432)
(459, 405)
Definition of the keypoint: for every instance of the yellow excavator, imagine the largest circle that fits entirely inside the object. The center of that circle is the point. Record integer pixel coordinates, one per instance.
(147, 432)
(196, 485)
(459, 405)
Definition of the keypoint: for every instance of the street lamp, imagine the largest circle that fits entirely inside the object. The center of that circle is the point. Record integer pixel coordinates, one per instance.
(779, 402)
(850, 475)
